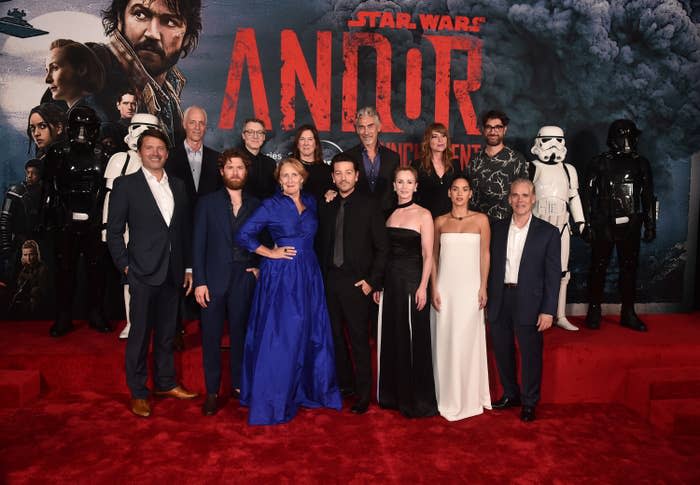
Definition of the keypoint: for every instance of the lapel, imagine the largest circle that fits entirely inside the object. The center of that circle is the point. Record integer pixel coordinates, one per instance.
(223, 209)
(186, 170)
(151, 200)
(500, 249)
(527, 247)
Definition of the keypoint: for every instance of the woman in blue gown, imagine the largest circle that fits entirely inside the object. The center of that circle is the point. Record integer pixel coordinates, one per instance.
(288, 359)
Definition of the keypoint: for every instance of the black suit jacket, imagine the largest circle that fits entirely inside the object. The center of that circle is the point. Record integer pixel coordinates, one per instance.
(383, 190)
(539, 274)
(209, 179)
(153, 245)
(365, 240)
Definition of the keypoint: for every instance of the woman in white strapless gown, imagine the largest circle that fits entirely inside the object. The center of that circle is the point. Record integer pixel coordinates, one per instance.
(457, 318)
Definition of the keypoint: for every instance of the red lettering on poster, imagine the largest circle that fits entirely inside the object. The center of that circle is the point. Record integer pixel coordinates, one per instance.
(414, 79)
(429, 21)
(351, 45)
(318, 93)
(245, 52)
(462, 87)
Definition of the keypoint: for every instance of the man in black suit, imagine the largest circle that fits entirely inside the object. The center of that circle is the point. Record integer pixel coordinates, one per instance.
(523, 292)
(261, 174)
(193, 162)
(377, 163)
(354, 248)
(156, 209)
(224, 273)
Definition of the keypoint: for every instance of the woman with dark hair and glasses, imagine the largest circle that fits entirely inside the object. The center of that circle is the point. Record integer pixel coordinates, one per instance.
(307, 149)
(436, 170)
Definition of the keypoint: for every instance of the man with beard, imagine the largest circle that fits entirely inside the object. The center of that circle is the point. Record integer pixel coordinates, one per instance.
(146, 39)
(494, 168)
(224, 273)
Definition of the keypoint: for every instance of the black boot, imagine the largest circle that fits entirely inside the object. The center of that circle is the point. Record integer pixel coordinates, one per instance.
(61, 326)
(593, 316)
(629, 319)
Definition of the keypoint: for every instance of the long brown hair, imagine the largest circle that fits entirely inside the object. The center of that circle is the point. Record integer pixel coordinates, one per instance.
(318, 152)
(426, 158)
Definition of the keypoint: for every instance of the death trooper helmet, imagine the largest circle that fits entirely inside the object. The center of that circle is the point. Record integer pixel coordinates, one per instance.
(550, 145)
(623, 136)
(140, 122)
(83, 125)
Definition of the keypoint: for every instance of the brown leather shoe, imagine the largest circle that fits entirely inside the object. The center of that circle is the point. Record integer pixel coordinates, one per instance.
(178, 392)
(140, 407)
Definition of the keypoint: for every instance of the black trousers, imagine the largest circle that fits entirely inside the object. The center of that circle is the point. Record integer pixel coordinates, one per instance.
(350, 308)
(625, 238)
(153, 310)
(232, 303)
(530, 342)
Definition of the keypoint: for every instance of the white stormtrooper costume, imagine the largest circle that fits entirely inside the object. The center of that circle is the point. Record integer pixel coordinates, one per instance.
(125, 163)
(556, 187)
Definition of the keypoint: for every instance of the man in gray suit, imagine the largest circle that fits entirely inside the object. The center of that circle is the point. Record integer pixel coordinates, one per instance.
(156, 209)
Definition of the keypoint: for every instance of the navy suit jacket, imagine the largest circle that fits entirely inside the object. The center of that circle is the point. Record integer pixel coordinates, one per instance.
(209, 178)
(213, 240)
(539, 274)
(153, 246)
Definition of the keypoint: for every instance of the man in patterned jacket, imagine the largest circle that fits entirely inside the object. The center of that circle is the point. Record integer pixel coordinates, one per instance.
(494, 168)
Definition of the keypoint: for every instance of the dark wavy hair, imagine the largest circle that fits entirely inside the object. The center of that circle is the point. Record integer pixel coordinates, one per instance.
(189, 10)
(233, 153)
(53, 116)
(318, 152)
(495, 114)
(426, 157)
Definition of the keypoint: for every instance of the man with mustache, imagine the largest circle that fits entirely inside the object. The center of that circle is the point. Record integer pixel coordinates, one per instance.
(494, 168)
(146, 39)
(224, 273)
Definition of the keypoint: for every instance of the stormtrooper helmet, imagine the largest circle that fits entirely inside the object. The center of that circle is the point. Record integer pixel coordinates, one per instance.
(140, 122)
(550, 145)
(83, 125)
(623, 136)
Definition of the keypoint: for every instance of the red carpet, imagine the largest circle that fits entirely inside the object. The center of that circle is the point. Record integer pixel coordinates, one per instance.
(618, 407)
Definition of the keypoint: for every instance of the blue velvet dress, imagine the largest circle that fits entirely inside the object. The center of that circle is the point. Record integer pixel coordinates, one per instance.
(288, 359)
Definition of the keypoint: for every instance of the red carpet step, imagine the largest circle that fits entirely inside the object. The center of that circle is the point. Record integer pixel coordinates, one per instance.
(19, 387)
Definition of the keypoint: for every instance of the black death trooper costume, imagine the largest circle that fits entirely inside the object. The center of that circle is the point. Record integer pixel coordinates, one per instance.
(620, 200)
(75, 188)
(556, 189)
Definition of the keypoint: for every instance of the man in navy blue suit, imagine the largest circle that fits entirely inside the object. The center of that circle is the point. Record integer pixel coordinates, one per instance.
(224, 273)
(523, 293)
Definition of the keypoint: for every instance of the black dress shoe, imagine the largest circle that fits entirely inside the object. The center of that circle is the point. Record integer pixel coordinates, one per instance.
(60, 328)
(235, 393)
(629, 319)
(98, 322)
(178, 342)
(506, 402)
(593, 317)
(527, 414)
(211, 405)
(360, 407)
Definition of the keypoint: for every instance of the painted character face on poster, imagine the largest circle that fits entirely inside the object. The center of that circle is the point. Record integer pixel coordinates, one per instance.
(156, 33)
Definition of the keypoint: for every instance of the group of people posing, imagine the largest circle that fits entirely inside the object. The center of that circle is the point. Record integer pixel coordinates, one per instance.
(295, 255)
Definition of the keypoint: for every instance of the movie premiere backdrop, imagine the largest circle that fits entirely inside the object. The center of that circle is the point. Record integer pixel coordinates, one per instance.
(579, 65)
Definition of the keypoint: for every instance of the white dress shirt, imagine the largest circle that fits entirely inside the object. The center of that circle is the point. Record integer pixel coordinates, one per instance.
(194, 157)
(514, 250)
(162, 193)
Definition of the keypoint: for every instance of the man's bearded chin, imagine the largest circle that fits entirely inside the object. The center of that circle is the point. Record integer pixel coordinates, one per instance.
(234, 184)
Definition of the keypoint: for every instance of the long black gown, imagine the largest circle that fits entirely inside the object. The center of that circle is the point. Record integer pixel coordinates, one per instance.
(405, 374)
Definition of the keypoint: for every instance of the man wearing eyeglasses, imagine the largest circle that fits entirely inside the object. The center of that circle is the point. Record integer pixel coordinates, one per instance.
(261, 179)
(494, 168)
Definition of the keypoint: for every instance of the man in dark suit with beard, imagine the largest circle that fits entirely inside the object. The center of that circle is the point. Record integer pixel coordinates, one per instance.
(156, 209)
(523, 291)
(354, 248)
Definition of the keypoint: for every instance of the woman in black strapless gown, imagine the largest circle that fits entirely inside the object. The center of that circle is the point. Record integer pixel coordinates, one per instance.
(405, 374)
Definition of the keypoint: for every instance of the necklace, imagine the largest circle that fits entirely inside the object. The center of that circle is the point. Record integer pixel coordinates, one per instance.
(460, 217)
(405, 204)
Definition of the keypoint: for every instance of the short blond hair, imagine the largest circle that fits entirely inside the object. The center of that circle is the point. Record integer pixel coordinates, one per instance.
(298, 166)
